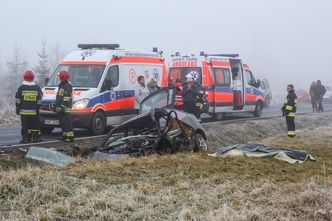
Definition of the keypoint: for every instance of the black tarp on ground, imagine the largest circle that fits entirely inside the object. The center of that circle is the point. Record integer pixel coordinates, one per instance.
(259, 150)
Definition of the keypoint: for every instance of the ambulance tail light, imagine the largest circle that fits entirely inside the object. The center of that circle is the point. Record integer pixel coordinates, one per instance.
(80, 104)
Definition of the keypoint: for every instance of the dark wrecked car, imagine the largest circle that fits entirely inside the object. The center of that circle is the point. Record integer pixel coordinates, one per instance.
(158, 129)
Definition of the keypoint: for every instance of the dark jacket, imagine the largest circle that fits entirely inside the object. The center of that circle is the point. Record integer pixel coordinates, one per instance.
(320, 90)
(28, 99)
(190, 94)
(290, 104)
(64, 99)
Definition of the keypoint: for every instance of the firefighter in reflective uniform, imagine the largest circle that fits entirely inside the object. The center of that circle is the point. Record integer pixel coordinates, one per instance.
(200, 102)
(63, 105)
(289, 110)
(28, 101)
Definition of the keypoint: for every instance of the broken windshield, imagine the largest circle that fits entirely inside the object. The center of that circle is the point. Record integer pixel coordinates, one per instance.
(80, 75)
(158, 99)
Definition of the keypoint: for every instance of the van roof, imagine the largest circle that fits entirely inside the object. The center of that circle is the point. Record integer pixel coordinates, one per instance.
(103, 56)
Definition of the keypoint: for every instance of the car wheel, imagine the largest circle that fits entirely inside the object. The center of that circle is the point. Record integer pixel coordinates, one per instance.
(98, 123)
(46, 130)
(218, 116)
(258, 109)
(201, 144)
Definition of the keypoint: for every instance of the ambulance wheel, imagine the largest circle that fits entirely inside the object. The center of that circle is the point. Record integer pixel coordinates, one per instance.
(201, 144)
(258, 109)
(98, 123)
(218, 116)
(46, 130)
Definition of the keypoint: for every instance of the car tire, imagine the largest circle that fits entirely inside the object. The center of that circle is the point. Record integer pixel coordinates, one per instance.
(201, 144)
(258, 109)
(46, 130)
(98, 123)
(218, 116)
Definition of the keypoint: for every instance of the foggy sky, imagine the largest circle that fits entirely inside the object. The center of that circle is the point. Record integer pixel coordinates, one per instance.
(286, 41)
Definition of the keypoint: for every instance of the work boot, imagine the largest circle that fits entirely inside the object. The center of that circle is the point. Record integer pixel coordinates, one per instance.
(69, 140)
(25, 139)
(36, 138)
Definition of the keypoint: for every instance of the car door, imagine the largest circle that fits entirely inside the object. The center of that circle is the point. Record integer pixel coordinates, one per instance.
(251, 88)
(162, 98)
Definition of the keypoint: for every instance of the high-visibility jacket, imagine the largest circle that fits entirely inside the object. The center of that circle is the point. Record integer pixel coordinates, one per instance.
(290, 104)
(64, 97)
(28, 99)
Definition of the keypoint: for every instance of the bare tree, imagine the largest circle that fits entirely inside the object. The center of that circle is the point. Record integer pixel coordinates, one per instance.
(17, 65)
(13, 79)
(57, 54)
(42, 70)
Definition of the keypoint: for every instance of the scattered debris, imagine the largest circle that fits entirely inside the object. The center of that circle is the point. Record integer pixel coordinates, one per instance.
(48, 155)
(259, 150)
(99, 155)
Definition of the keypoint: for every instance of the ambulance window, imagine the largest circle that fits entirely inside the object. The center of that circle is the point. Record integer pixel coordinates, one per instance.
(111, 79)
(222, 77)
(250, 78)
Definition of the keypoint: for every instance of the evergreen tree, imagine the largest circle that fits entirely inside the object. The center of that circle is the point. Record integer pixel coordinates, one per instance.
(42, 70)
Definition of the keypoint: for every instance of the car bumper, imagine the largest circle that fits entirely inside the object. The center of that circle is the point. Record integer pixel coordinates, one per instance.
(79, 120)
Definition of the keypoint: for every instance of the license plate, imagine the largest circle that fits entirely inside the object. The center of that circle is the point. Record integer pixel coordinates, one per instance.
(52, 122)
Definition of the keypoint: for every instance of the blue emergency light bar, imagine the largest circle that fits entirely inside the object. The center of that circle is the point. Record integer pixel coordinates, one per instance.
(155, 49)
(98, 46)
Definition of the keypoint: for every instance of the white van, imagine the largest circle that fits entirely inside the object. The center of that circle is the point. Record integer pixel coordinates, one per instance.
(104, 80)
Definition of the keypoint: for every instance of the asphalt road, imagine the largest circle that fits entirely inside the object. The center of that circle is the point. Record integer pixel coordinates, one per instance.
(10, 135)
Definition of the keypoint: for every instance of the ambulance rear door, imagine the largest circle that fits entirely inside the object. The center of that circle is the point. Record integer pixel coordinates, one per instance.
(238, 84)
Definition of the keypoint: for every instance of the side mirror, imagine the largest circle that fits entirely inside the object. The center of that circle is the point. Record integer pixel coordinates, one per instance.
(258, 83)
(46, 80)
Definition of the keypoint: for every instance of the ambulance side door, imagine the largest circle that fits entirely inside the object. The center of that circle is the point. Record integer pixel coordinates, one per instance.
(223, 91)
(112, 95)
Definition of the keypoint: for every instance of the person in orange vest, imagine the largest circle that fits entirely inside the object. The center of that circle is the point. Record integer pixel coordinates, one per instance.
(28, 102)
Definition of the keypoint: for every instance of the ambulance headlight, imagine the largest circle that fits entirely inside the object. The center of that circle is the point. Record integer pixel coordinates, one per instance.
(80, 104)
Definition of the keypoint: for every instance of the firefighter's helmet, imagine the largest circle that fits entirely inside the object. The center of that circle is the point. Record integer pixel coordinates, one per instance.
(64, 75)
(28, 75)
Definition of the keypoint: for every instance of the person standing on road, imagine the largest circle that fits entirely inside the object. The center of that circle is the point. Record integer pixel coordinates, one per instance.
(153, 86)
(313, 96)
(289, 110)
(142, 91)
(28, 101)
(189, 94)
(320, 92)
(63, 105)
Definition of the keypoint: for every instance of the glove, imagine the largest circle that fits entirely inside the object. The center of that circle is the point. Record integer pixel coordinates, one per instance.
(18, 111)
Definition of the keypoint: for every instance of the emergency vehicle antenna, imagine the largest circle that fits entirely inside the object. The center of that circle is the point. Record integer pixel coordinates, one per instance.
(99, 46)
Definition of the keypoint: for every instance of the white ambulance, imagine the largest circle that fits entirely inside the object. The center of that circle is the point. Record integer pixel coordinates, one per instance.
(104, 80)
(228, 82)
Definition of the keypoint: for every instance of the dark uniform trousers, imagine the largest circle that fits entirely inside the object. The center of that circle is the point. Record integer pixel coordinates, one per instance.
(190, 107)
(290, 121)
(66, 125)
(30, 126)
